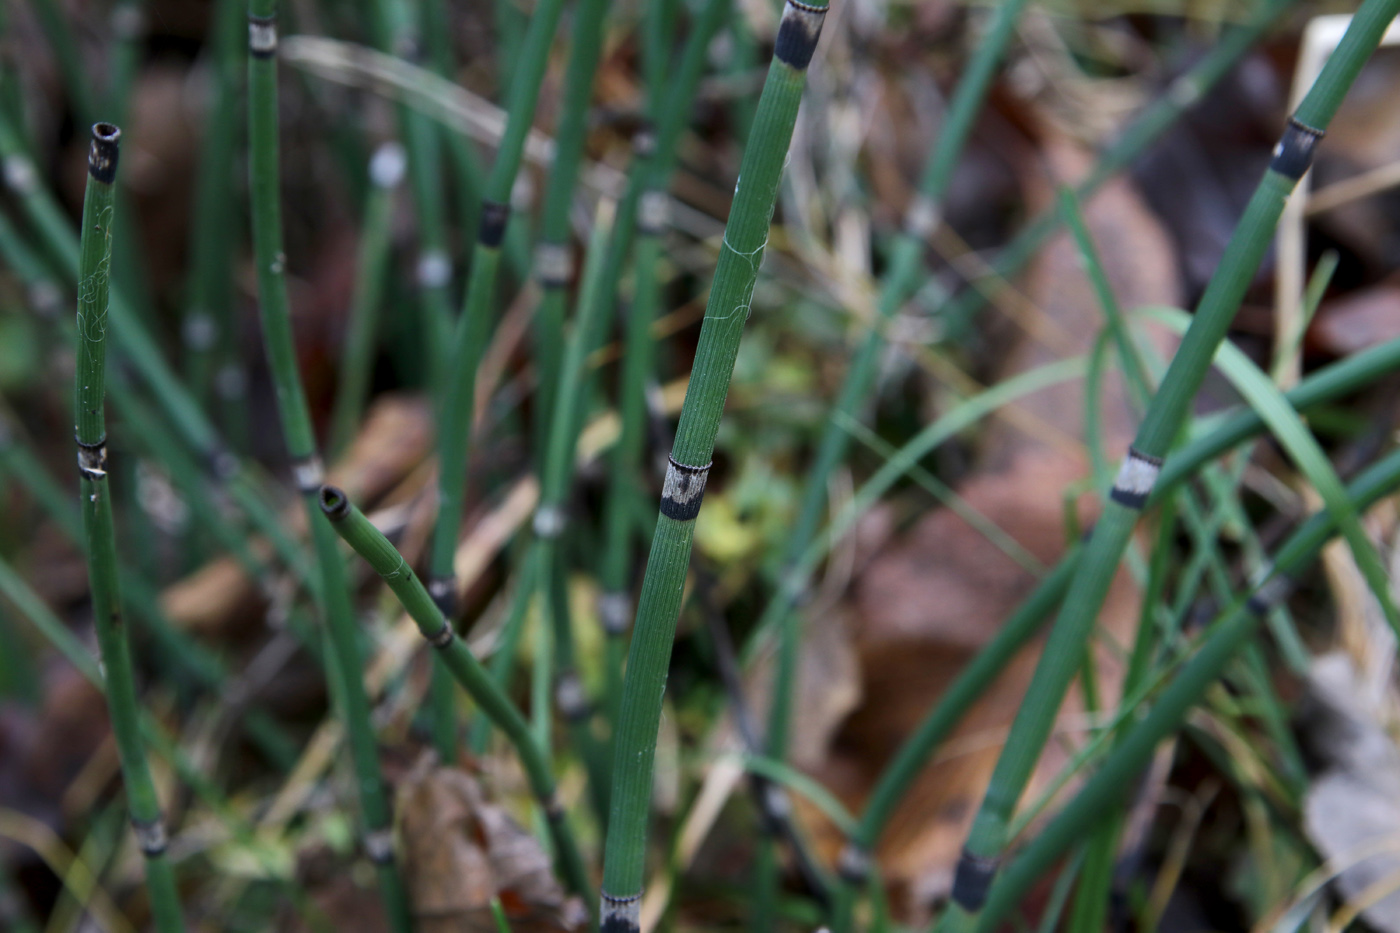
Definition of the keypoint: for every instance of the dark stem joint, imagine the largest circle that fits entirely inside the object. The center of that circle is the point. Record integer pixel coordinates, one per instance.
(613, 612)
(310, 476)
(443, 637)
(620, 914)
(653, 212)
(102, 154)
(151, 836)
(570, 697)
(853, 865)
(262, 36)
(798, 33)
(1135, 479)
(644, 141)
(973, 880)
(92, 460)
(683, 490)
(334, 503)
(1293, 155)
(553, 809)
(443, 590)
(553, 264)
(494, 215)
(379, 846)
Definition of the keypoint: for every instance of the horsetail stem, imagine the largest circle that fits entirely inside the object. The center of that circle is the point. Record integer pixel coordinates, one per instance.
(731, 292)
(644, 209)
(1116, 776)
(135, 343)
(855, 863)
(458, 392)
(1183, 93)
(367, 541)
(554, 252)
(90, 432)
(344, 662)
(551, 515)
(386, 170)
(1143, 464)
(920, 221)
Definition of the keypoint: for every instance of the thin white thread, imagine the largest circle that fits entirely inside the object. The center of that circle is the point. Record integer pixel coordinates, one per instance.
(396, 571)
(754, 259)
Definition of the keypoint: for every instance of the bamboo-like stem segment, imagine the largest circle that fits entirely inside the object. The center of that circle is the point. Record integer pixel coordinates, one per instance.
(458, 396)
(1115, 778)
(367, 541)
(1143, 464)
(91, 434)
(746, 235)
(136, 344)
(345, 663)
(643, 210)
(386, 169)
(1182, 94)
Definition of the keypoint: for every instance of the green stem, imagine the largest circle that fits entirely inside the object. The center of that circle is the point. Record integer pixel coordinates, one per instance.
(1160, 426)
(346, 664)
(731, 293)
(91, 434)
(357, 531)
(1116, 777)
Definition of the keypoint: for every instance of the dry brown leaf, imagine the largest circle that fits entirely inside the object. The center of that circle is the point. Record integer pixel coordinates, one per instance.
(1361, 320)
(461, 850)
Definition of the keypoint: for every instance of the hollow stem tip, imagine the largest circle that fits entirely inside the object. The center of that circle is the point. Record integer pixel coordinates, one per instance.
(102, 153)
(334, 503)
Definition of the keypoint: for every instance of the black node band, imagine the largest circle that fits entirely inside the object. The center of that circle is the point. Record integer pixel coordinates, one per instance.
(102, 154)
(973, 880)
(443, 638)
(798, 33)
(1294, 153)
(684, 491)
(443, 590)
(262, 36)
(494, 215)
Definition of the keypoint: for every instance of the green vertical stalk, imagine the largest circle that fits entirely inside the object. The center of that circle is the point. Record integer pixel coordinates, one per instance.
(89, 403)
(345, 664)
(1116, 777)
(1182, 94)
(350, 523)
(1326, 385)
(135, 343)
(208, 328)
(551, 515)
(644, 210)
(906, 266)
(731, 292)
(554, 252)
(458, 393)
(1142, 466)
(386, 170)
(557, 434)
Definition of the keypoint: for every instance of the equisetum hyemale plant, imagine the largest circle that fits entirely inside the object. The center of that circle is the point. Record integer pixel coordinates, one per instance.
(90, 431)
(344, 661)
(1143, 464)
(741, 253)
(367, 541)
(474, 327)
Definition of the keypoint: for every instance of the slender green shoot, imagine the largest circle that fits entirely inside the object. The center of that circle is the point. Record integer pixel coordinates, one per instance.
(731, 295)
(1141, 468)
(345, 663)
(367, 541)
(89, 403)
